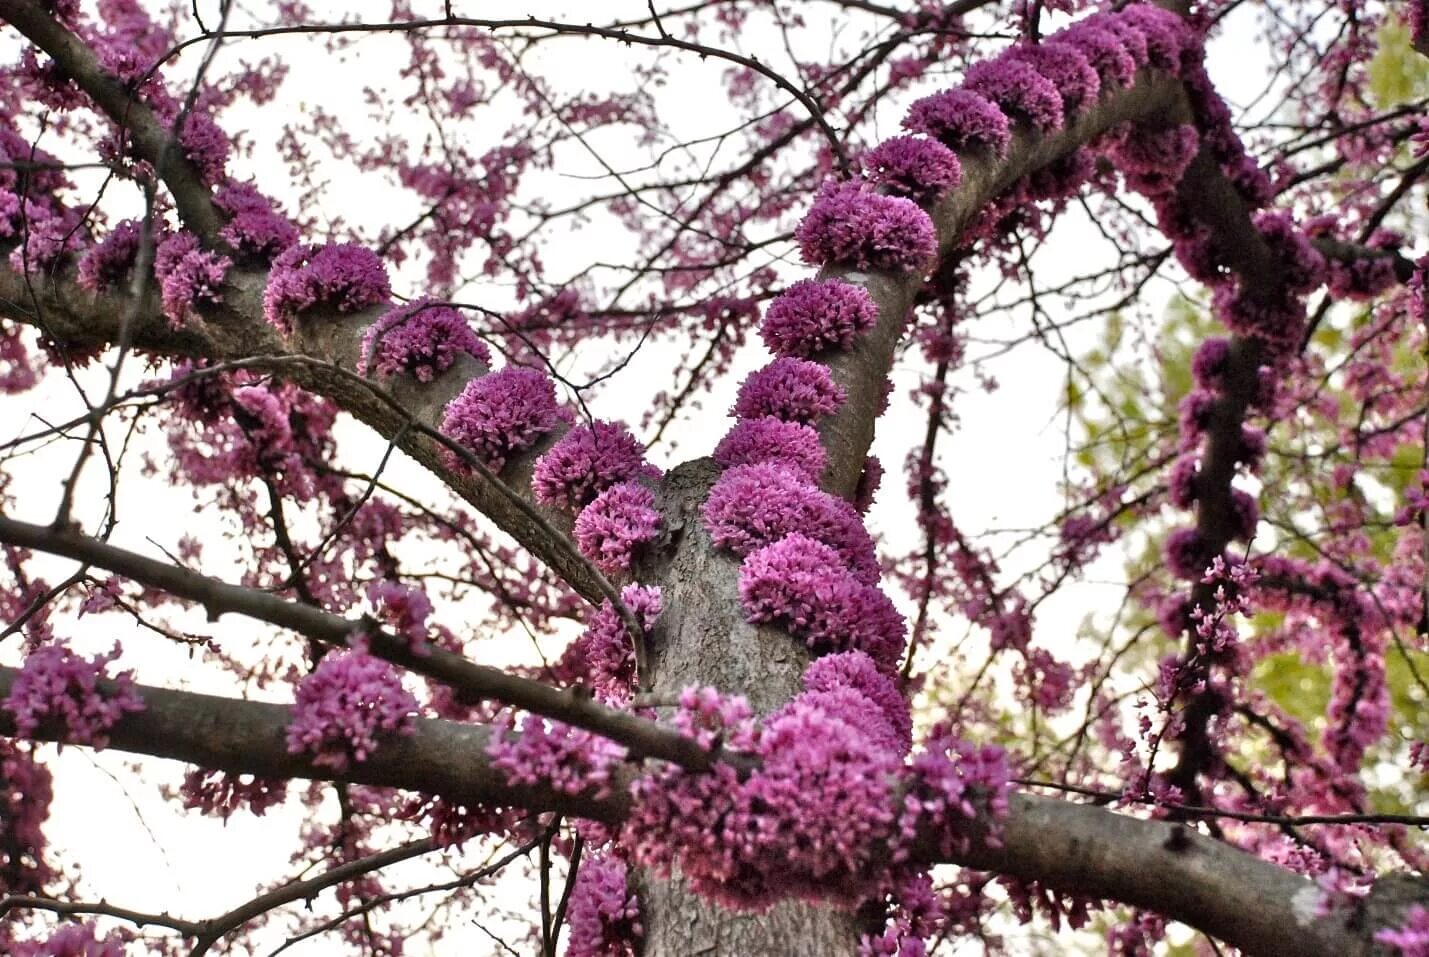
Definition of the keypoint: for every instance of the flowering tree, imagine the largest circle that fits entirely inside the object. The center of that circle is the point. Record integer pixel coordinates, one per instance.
(749, 710)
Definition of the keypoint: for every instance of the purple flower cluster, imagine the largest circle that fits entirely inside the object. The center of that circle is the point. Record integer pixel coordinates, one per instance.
(1067, 68)
(950, 782)
(502, 413)
(804, 585)
(341, 276)
(807, 823)
(110, 262)
(1019, 91)
(220, 793)
(920, 169)
(1153, 159)
(1107, 49)
(756, 505)
(1410, 939)
(856, 672)
(421, 338)
(404, 609)
(795, 390)
(771, 440)
(25, 794)
(851, 225)
(602, 658)
(255, 227)
(57, 689)
(961, 120)
(604, 914)
(345, 706)
(556, 755)
(611, 529)
(189, 276)
(586, 461)
(75, 940)
(918, 915)
(814, 315)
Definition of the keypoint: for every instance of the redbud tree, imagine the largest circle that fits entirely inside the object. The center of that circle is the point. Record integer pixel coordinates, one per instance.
(358, 473)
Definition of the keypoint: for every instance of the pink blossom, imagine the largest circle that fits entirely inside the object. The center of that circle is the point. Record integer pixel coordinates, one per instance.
(56, 690)
(814, 315)
(1410, 939)
(1018, 90)
(756, 505)
(552, 754)
(803, 585)
(404, 609)
(612, 528)
(344, 708)
(602, 658)
(255, 227)
(1209, 363)
(189, 276)
(953, 781)
(868, 482)
(1152, 159)
(859, 673)
(1167, 35)
(502, 413)
(586, 461)
(852, 226)
(1186, 554)
(1105, 50)
(961, 120)
(795, 390)
(75, 940)
(220, 793)
(25, 793)
(604, 913)
(920, 169)
(769, 439)
(109, 263)
(422, 338)
(1067, 68)
(339, 276)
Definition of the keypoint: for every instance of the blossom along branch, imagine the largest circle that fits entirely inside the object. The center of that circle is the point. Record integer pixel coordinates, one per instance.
(828, 783)
(152, 140)
(479, 681)
(1158, 865)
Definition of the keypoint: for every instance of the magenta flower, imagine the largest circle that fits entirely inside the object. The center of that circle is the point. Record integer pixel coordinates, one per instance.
(853, 226)
(220, 794)
(189, 276)
(1152, 159)
(920, 169)
(1067, 68)
(954, 783)
(502, 413)
(813, 315)
(868, 482)
(404, 609)
(1167, 35)
(346, 706)
(768, 439)
(602, 658)
(1018, 90)
(803, 585)
(860, 674)
(795, 390)
(1106, 50)
(612, 528)
(1187, 556)
(604, 913)
(110, 262)
(339, 276)
(255, 227)
(57, 691)
(961, 120)
(756, 505)
(422, 338)
(586, 461)
(553, 754)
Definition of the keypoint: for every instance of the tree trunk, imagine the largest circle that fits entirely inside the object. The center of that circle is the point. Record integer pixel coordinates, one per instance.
(703, 639)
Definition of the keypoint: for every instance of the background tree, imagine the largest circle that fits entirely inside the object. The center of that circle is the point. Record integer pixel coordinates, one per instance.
(516, 635)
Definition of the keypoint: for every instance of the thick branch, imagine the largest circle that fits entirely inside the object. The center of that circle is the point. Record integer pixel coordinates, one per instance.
(149, 136)
(249, 737)
(573, 706)
(1165, 867)
(862, 371)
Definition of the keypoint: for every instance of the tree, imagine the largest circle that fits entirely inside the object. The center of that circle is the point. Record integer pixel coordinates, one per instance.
(711, 747)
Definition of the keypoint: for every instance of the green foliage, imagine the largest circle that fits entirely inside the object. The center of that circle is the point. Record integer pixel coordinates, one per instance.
(1397, 73)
